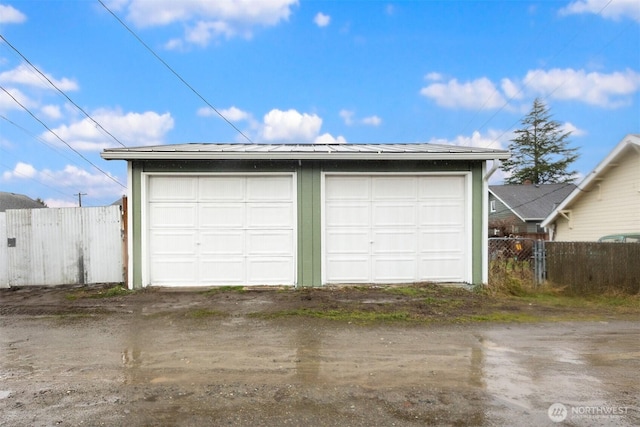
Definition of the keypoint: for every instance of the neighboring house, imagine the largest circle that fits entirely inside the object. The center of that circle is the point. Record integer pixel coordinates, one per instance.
(306, 214)
(606, 202)
(519, 209)
(17, 201)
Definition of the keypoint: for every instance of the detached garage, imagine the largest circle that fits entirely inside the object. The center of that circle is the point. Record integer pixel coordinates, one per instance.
(306, 214)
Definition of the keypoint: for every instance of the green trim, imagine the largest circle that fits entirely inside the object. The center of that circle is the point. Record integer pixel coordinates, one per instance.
(476, 225)
(136, 229)
(309, 226)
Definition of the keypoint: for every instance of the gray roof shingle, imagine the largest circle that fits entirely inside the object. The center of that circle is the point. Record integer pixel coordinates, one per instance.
(17, 201)
(532, 202)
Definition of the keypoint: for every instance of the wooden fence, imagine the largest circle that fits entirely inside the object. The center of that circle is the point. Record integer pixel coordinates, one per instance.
(594, 267)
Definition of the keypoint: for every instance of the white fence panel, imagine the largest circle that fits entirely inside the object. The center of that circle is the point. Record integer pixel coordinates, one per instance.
(59, 246)
(4, 252)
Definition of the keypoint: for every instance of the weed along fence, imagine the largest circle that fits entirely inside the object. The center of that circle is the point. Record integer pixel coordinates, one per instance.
(580, 267)
(594, 267)
(61, 246)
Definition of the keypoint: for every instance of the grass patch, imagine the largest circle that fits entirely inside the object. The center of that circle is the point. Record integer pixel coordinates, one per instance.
(204, 314)
(114, 291)
(222, 289)
(356, 316)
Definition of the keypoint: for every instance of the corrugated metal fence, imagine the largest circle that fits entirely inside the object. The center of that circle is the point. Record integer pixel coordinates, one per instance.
(58, 246)
(594, 267)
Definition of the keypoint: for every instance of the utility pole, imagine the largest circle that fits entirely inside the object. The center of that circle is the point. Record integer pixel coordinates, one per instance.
(80, 198)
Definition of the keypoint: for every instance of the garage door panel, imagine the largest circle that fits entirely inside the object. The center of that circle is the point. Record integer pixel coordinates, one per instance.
(394, 241)
(171, 188)
(270, 188)
(440, 269)
(269, 215)
(228, 242)
(265, 270)
(174, 270)
(395, 228)
(269, 242)
(347, 188)
(169, 242)
(441, 187)
(348, 269)
(220, 188)
(389, 215)
(221, 215)
(442, 214)
(396, 188)
(173, 215)
(222, 229)
(222, 270)
(394, 269)
(348, 241)
(347, 214)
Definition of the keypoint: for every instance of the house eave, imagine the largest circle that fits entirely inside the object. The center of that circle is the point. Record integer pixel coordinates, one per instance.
(202, 155)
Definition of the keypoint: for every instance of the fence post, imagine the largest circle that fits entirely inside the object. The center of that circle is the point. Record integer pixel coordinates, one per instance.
(539, 255)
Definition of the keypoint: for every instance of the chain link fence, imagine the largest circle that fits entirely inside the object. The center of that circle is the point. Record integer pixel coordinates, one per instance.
(516, 257)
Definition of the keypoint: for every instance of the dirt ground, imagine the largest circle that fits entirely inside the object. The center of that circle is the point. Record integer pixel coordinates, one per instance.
(349, 356)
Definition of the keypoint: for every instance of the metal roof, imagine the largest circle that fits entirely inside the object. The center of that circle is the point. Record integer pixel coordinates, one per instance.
(217, 151)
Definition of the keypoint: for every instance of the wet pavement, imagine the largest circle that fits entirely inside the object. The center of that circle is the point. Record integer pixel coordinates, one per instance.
(135, 369)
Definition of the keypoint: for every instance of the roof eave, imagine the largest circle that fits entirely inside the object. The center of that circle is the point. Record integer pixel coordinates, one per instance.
(202, 155)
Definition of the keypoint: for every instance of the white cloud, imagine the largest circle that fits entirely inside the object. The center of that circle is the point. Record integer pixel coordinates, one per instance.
(132, 129)
(52, 111)
(327, 138)
(8, 103)
(11, 15)
(606, 8)
(604, 90)
(24, 75)
(205, 20)
(470, 95)
(322, 20)
(21, 171)
(570, 127)
(434, 77)
(372, 121)
(290, 126)
(347, 116)
(349, 119)
(492, 139)
(232, 114)
(94, 184)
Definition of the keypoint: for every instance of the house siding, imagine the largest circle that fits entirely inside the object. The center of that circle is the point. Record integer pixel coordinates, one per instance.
(309, 202)
(611, 205)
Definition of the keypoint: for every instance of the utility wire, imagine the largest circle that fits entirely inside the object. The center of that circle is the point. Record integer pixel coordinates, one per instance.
(61, 92)
(61, 140)
(173, 71)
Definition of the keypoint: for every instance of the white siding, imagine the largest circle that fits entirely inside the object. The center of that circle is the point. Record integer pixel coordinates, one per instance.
(609, 206)
(64, 246)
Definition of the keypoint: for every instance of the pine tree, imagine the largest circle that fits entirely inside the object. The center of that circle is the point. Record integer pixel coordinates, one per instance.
(540, 152)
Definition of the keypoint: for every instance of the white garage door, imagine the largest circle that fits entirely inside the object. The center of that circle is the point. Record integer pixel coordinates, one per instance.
(221, 230)
(396, 229)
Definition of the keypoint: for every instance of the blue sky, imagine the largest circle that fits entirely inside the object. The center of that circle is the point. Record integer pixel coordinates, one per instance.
(284, 71)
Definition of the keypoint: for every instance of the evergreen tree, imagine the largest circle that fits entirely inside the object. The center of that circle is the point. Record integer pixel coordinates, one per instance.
(540, 152)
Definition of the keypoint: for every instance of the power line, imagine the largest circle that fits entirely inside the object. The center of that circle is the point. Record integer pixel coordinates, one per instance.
(60, 139)
(61, 91)
(173, 71)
